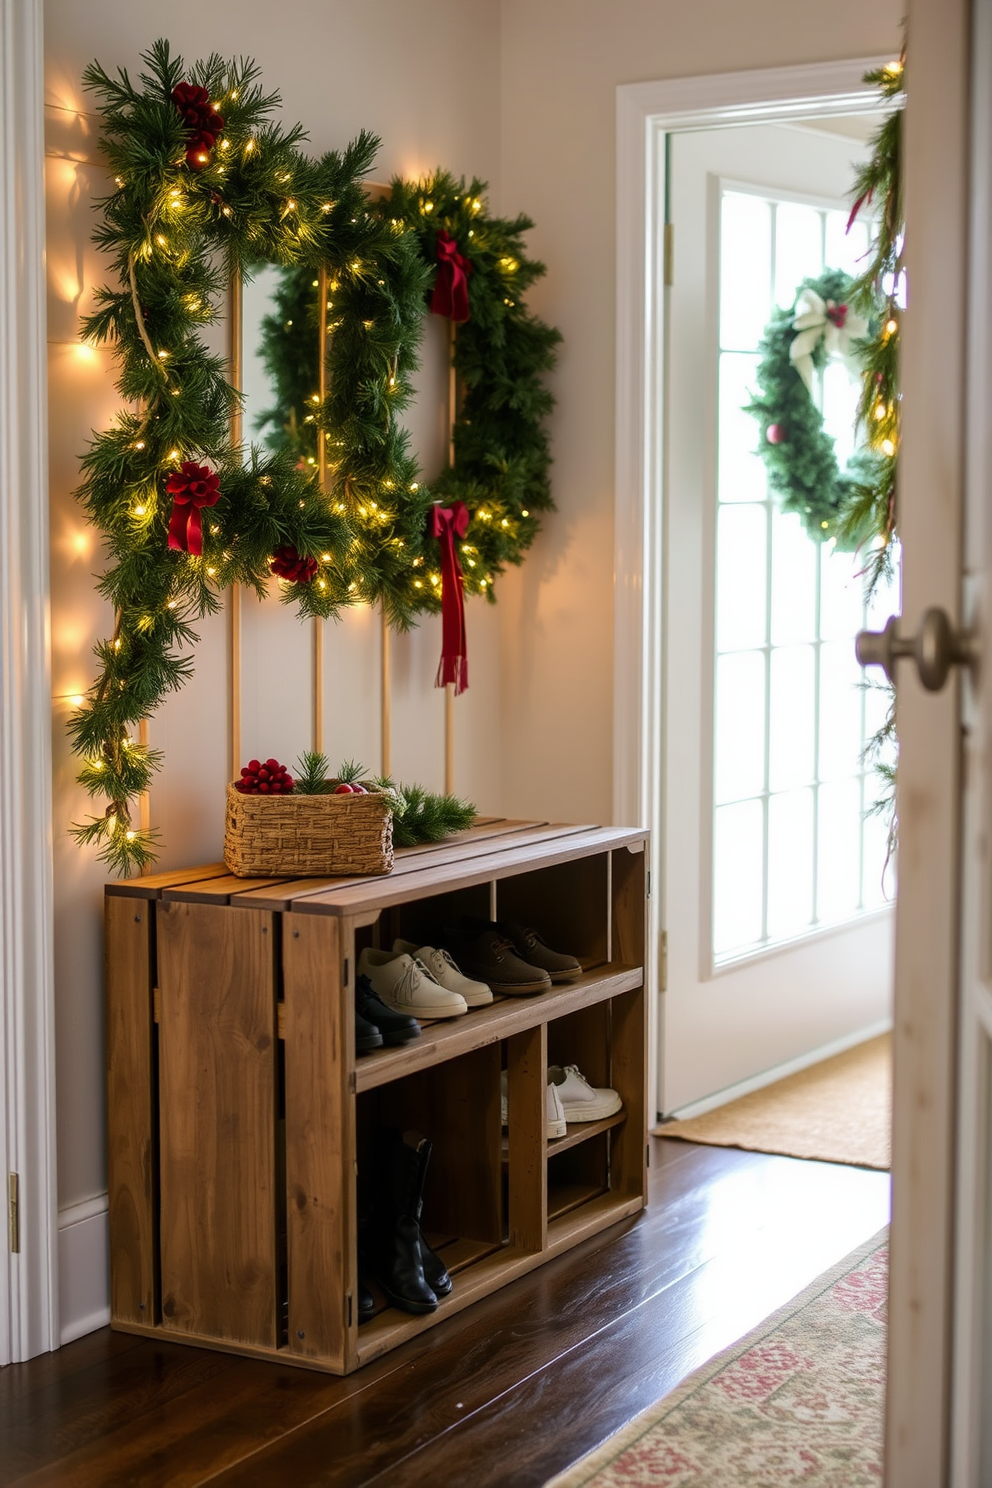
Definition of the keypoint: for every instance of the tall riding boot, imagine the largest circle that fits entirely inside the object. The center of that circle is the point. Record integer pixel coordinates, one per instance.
(395, 1228)
(435, 1271)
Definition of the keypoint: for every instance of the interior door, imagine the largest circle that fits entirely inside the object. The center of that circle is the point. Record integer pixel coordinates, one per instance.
(775, 899)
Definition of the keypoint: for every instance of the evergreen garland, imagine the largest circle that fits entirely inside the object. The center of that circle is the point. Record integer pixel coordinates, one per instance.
(797, 451)
(877, 293)
(502, 355)
(419, 815)
(190, 210)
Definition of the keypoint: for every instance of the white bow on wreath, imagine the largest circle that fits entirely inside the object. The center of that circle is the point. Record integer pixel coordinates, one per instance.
(836, 325)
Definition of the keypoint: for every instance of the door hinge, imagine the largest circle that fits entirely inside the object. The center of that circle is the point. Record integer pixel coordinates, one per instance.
(669, 269)
(663, 961)
(344, 972)
(14, 1212)
(648, 891)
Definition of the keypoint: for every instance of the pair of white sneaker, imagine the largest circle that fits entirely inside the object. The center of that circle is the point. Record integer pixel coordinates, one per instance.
(421, 980)
(569, 1097)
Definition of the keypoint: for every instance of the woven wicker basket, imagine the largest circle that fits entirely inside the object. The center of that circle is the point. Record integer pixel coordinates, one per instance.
(268, 836)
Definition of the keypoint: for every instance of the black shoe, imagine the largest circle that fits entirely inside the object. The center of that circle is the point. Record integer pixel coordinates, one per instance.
(366, 1303)
(435, 1271)
(396, 1028)
(394, 1231)
(367, 1035)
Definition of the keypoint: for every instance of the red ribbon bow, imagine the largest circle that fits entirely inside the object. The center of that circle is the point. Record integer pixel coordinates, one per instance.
(450, 295)
(191, 487)
(447, 523)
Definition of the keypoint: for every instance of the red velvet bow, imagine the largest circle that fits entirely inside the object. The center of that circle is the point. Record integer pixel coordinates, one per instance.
(447, 523)
(450, 295)
(191, 487)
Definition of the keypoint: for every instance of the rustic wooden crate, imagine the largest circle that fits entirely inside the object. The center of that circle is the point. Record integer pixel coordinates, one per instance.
(238, 1111)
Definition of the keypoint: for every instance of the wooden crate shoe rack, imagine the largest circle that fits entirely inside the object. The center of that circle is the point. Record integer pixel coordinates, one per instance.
(242, 1125)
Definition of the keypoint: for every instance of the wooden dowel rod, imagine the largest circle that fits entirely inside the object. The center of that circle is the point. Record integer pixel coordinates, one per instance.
(144, 801)
(235, 335)
(449, 738)
(318, 685)
(386, 696)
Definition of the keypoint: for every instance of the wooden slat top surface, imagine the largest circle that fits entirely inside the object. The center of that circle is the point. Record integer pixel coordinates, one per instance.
(491, 847)
(542, 849)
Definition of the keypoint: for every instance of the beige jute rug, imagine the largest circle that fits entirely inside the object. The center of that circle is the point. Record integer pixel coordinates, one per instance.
(798, 1400)
(838, 1111)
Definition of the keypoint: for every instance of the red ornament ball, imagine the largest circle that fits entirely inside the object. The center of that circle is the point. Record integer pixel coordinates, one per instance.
(344, 789)
(201, 119)
(775, 434)
(264, 779)
(287, 564)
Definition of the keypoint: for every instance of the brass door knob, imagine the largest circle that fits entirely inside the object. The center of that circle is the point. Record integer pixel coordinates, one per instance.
(936, 647)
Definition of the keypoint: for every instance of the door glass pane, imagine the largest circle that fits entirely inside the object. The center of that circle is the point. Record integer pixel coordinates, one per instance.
(798, 249)
(841, 718)
(741, 605)
(741, 471)
(838, 887)
(790, 864)
(845, 250)
(794, 560)
(791, 759)
(745, 235)
(738, 853)
(740, 725)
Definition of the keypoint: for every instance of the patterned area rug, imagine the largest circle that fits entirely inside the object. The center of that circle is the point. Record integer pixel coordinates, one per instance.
(797, 1401)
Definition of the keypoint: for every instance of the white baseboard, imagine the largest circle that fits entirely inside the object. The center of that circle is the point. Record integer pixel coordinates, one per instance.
(84, 1272)
(779, 1072)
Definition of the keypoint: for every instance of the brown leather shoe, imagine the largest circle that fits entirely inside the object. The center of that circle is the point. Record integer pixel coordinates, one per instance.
(559, 966)
(488, 956)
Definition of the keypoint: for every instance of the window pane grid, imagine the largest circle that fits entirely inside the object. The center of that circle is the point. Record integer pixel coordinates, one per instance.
(811, 862)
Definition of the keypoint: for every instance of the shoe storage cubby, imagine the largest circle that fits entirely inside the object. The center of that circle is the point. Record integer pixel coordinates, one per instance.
(243, 1127)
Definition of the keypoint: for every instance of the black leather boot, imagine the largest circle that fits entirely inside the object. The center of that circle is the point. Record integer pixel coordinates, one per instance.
(366, 1302)
(395, 1229)
(435, 1271)
(395, 1028)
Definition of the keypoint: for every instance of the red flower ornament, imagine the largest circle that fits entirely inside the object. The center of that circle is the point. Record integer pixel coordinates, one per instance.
(287, 563)
(201, 119)
(191, 488)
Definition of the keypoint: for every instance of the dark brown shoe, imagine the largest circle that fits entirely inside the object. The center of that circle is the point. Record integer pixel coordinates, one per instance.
(488, 956)
(559, 966)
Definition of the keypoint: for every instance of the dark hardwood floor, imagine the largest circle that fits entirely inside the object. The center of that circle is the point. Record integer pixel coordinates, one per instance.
(502, 1396)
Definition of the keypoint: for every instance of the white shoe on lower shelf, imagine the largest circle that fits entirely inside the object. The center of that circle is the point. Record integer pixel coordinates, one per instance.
(554, 1115)
(444, 971)
(581, 1101)
(405, 984)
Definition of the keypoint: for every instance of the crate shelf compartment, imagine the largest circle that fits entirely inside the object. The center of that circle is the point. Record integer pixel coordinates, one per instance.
(242, 1126)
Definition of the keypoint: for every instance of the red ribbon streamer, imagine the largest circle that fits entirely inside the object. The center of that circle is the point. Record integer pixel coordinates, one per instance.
(447, 523)
(191, 488)
(450, 295)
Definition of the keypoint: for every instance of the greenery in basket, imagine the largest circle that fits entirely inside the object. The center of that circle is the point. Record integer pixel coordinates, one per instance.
(419, 815)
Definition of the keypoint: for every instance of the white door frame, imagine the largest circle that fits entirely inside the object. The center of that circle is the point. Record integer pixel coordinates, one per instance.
(646, 113)
(29, 1278)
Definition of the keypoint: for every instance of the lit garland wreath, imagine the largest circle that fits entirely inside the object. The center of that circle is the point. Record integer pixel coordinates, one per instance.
(477, 274)
(207, 185)
(798, 453)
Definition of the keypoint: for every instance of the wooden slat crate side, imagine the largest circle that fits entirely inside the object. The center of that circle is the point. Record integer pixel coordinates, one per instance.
(527, 1075)
(130, 1113)
(629, 1075)
(217, 1043)
(319, 1024)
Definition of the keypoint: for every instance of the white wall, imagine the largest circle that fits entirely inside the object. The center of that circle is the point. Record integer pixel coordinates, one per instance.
(425, 77)
(562, 63)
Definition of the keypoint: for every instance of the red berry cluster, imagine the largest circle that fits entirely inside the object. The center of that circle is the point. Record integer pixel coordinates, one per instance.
(264, 779)
(201, 119)
(287, 564)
